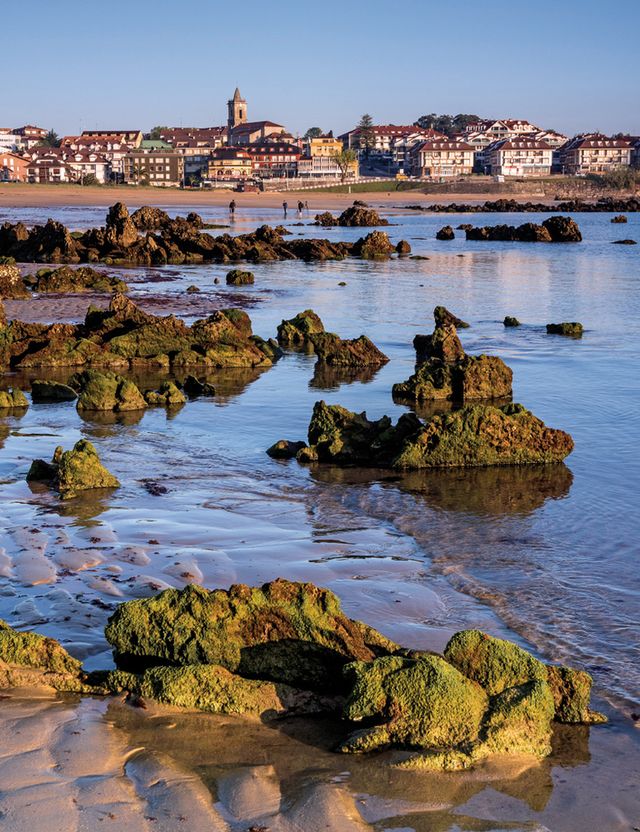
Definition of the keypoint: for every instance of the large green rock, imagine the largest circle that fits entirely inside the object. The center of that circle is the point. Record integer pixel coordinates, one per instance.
(478, 435)
(13, 399)
(353, 352)
(106, 391)
(52, 391)
(212, 688)
(74, 471)
(167, 395)
(83, 279)
(422, 702)
(296, 331)
(283, 631)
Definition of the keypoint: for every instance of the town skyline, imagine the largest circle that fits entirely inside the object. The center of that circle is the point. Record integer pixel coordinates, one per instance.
(569, 75)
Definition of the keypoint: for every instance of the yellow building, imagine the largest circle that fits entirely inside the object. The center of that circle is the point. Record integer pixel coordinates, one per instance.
(230, 163)
(327, 146)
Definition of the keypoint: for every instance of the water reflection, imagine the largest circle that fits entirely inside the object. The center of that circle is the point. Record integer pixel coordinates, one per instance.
(494, 491)
(330, 377)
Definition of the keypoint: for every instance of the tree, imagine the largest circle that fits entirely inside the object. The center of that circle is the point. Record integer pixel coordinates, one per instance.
(89, 179)
(50, 140)
(365, 133)
(447, 124)
(620, 179)
(157, 131)
(313, 133)
(345, 162)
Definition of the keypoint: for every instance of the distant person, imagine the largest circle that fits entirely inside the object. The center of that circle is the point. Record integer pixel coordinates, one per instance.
(300, 206)
(232, 208)
(306, 206)
(285, 206)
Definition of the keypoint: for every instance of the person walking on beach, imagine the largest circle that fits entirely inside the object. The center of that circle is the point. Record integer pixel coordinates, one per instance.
(284, 208)
(232, 208)
(300, 206)
(306, 206)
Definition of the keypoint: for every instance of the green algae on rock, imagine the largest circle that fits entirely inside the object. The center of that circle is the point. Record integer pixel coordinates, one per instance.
(74, 471)
(297, 331)
(52, 391)
(83, 279)
(422, 702)
(168, 395)
(573, 329)
(237, 277)
(213, 688)
(352, 352)
(106, 391)
(285, 449)
(477, 435)
(282, 631)
(13, 399)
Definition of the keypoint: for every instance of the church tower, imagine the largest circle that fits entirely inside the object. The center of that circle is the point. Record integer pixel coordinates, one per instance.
(237, 110)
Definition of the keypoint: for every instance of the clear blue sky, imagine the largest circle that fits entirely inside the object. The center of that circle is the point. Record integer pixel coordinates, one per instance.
(571, 66)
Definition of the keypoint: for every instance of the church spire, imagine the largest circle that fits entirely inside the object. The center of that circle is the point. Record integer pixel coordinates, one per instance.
(236, 111)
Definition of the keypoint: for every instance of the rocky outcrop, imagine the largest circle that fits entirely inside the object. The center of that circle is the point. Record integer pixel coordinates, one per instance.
(72, 472)
(504, 206)
(552, 230)
(573, 329)
(352, 352)
(52, 391)
(297, 331)
(357, 215)
(510, 321)
(168, 395)
(120, 231)
(619, 218)
(284, 449)
(105, 391)
(11, 282)
(445, 233)
(194, 388)
(237, 277)
(403, 248)
(13, 399)
(282, 631)
(82, 279)
(477, 435)
(373, 246)
(148, 218)
(445, 373)
(626, 242)
(123, 337)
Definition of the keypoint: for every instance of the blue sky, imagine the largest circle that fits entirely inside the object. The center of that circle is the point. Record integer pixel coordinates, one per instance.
(569, 66)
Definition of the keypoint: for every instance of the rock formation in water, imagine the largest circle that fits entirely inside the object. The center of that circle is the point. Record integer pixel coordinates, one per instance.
(237, 277)
(605, 204)
(357, 215)
(619, 218)
(52, 391)
(65, 279)
(552, 230)
(13, 399)
(123, 337)
(74, 471)
(445, 233)
(445, 373)
(510, 321)
(574, 329)
(350, 352)
(11, 282)
(297, 331)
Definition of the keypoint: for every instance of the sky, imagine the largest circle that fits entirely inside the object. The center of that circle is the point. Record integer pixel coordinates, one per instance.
(569, 66)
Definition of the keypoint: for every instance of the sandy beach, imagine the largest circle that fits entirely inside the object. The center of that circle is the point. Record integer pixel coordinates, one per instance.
(35, 196)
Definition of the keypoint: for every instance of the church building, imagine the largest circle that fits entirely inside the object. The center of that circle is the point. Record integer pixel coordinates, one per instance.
(243, 132)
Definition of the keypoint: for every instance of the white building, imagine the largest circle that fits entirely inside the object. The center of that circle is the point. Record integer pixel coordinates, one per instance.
(519, 157)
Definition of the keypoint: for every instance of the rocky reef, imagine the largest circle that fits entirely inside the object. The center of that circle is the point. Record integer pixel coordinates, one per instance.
(573, 329)
(151, 237)
(297, 331)
(357, 215)
(238, 277)
(505, 206)
(11, 282)
(445, 373)
(65, 279)
(13, 399)
(287, 648)
(510, 321)
(552, 230)
(445, 233)
(74, 471)
(123, 337)
(350, 352)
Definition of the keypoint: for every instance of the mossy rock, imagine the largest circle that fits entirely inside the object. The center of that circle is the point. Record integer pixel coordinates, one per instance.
(237, 277)
(106, 391)
(571, 693)
(13, 399)
(82, 279)
(52, 391)
(74, 471)
(285, 449)
(283, 631)
(297, 331)
(213, 688)
(168, 395)
(424, 703)
(353, 352)
(573, 329)
(510, 321)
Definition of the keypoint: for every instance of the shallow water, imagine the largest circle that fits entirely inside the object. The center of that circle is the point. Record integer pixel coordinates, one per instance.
(547, 556)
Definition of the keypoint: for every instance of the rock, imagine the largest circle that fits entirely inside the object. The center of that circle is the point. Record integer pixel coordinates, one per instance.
(416, 703)
(468, 379)
(285, 449)
(326, 219)
(354, 352)
(620, 218)
(11, 283)
(194, 388)
(361, 216)
(236, 277)
(464, 226)
(13, 399)
(167, 395)
(442, 344)
(192, 290)
(443, 317)
(403, 248)
(563, 230)
(477, 435)
(283, 631)
(212, 688)
(120, 230)
(82, 279)
(52, 391)
(150, 219)
(374, 245)
(571, 691)
(510, 321)
(32, 660)
(624, 243)
(574, 329)
(71, 472)
(296, 331)
(106, 391)
(445, 233)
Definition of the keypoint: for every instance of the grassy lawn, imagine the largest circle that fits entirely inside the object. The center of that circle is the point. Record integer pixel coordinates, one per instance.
(386, 187)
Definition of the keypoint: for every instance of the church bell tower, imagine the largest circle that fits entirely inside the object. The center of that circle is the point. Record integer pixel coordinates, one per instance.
(237, 110)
